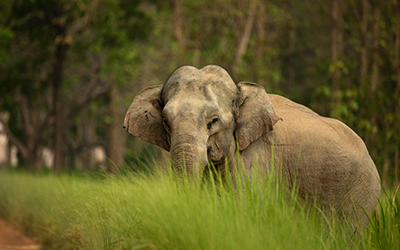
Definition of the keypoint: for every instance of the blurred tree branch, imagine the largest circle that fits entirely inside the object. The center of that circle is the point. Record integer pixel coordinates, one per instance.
(244, 40)
(178, 27)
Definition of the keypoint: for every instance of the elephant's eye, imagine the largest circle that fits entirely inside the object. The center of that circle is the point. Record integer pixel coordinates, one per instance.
(209, 125)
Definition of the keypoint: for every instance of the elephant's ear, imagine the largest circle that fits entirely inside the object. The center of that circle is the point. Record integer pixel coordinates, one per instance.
(143, 118)
(256, 115)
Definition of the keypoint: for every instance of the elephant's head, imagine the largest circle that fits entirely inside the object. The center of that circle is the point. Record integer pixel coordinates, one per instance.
(200, 116)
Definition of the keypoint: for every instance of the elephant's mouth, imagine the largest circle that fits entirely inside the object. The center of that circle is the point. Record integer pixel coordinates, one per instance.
(216, 163)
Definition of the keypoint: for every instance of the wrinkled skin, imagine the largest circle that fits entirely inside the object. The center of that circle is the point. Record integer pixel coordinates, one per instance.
(202, 117)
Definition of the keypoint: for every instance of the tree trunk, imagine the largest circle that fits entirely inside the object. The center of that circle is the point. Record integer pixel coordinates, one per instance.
(396, 65)
(117, 134)
(364, 37)
(178, 29)
(336, 53)
(371, 141)
(386, 157)
(60, 54)
(262, 44)
(85, 139)
(244, 40)
(290, 68)
(8, 154)
(396, 166)
(29, 148)
(375, 56)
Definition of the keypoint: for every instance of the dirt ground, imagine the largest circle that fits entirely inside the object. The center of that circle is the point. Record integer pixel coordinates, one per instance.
(12, 239)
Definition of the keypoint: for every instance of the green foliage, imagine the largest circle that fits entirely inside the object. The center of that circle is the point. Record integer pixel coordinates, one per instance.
(158, 212)
(152, 213)
(385, 229)
(97, 36)
(139, 162)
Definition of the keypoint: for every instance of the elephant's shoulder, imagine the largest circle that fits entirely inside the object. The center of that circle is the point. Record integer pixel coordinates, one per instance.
(286, 108)
(298, 118)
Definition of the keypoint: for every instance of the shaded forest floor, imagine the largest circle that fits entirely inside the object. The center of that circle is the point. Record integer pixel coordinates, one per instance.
(10, 238)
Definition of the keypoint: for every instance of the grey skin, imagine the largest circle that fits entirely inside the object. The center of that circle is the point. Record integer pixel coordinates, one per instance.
(201, 116)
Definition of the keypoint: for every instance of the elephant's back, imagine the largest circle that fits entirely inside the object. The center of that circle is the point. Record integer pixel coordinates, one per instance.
(288, 108)
(334, 159)
(305, 123)
(309, 130)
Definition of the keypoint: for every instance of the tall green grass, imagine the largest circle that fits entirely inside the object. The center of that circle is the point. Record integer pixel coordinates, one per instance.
(158, 212)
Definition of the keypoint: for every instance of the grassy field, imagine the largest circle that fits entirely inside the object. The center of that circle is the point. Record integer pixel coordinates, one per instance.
(156, 212)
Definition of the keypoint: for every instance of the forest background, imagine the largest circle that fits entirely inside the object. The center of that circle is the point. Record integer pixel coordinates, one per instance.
(70, 68)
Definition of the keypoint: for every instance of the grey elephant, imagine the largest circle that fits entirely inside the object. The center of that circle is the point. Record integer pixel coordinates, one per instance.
(201, 116)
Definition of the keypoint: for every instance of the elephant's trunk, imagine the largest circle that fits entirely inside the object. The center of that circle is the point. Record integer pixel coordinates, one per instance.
(189, 154)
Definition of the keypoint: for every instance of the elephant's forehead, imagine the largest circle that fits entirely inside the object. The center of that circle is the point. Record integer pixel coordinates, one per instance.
(202, 83)
(189, 107)
(209, 93)
(211, 71)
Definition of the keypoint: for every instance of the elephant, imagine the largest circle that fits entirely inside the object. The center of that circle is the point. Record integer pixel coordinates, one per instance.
(202, 117)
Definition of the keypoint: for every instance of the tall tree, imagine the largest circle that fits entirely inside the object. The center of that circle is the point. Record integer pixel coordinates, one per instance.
(178, 26)
(44, 33)
(25, 79)
(244, 39)
(336, 49)
(62, 42)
